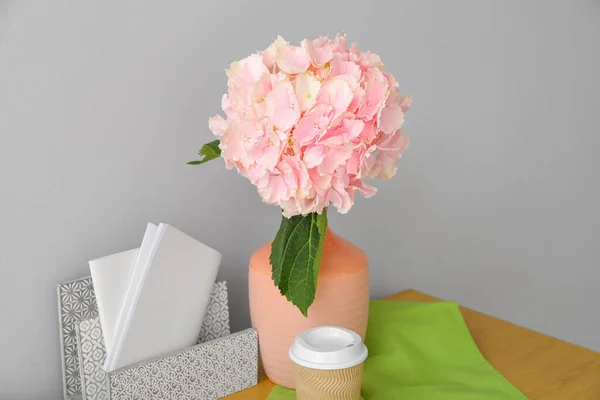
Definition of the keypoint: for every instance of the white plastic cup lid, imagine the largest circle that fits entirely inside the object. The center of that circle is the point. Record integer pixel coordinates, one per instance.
(328, 348)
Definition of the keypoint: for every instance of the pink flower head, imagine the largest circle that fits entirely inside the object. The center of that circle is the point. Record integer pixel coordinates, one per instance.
(309, 124)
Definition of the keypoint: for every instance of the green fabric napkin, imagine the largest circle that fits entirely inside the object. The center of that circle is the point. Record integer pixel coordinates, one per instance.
(423, 351)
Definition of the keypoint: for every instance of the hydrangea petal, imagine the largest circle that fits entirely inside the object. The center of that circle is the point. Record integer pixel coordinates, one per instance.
(217, 125)
(406, 102)
(339, 43)
(320, 50)
(346, 130)
(267, 149)
(392, 118)
(341, 67)
(307, 87)
(246, 72)
(375, 94)
(314, 156)
(369, 60)
(340, 195)
(312, 124)
(334, 157)
(389, 150)
(281, 107)
(362, 188)
(336, 93)
(291, 59)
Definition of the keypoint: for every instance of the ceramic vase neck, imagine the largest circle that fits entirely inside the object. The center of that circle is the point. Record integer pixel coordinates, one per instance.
(331, 240)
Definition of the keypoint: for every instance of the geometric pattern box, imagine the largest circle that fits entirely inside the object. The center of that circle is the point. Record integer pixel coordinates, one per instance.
(76, 301)
(219, 365)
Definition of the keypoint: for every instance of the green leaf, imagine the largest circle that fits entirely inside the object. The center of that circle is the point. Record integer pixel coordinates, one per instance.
(278, 250)
(209, 151)
(322, 225)
(296, 257)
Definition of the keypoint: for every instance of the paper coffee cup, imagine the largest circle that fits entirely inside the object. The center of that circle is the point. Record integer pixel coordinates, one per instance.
(328, 364)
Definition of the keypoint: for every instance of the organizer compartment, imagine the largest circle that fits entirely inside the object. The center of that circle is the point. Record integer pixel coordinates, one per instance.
(82, 345)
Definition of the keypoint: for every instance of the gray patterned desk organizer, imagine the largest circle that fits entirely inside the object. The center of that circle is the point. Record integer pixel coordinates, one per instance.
(220, 364)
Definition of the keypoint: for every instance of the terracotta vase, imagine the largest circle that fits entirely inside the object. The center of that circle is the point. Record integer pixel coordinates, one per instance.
(342, 299)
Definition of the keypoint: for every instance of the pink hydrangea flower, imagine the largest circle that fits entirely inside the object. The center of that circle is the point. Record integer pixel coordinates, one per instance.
(308, 124)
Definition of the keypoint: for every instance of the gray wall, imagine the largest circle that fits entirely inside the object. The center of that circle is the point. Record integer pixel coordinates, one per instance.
(495, 205)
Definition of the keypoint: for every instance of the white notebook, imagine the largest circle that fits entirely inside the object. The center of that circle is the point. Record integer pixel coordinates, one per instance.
(111, 276)
(166, 299)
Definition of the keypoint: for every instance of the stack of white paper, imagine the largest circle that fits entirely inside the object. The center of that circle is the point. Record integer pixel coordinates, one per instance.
(152, 300)
(110, 276)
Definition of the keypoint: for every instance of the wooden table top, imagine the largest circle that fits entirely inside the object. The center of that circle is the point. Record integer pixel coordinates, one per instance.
(541, 366)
